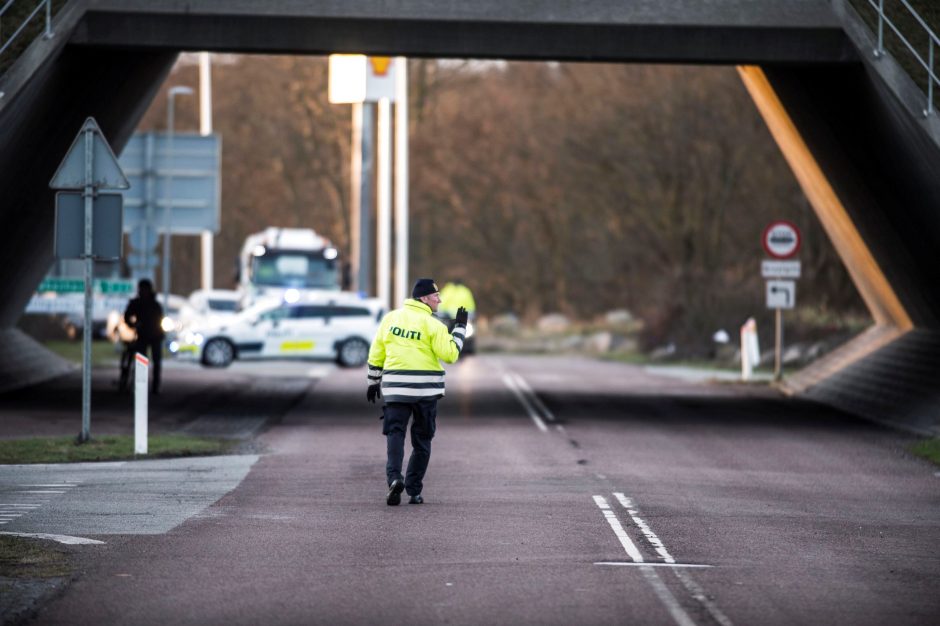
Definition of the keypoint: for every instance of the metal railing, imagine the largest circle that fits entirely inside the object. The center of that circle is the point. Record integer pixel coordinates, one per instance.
(933, 46)
(47, 4)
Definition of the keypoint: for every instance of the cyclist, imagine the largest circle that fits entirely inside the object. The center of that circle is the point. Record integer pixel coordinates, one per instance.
(145, 315)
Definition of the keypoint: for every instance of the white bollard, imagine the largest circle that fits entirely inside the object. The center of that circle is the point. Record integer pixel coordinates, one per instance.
(750, 350)
(141, 380)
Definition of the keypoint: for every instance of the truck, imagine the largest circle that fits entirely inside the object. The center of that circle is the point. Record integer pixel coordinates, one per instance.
(286, 263)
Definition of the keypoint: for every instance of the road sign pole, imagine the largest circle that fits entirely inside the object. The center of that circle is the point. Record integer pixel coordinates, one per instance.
(89, 191)
(168, 207)
(778, 373)
(81, 171)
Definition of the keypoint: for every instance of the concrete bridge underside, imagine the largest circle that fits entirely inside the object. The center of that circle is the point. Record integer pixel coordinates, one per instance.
(880, 170)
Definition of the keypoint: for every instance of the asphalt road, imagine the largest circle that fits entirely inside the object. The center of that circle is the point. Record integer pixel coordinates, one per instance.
(559, 492)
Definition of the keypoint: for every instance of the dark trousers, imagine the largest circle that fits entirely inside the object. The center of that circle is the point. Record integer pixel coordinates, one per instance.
(422, 431)
(155, 347)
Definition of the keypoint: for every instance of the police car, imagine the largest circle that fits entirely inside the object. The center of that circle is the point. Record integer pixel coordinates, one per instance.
(335, 330)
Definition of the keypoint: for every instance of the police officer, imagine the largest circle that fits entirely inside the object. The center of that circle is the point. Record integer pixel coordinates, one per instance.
(405, 370)
(455, 295)
(145, 315)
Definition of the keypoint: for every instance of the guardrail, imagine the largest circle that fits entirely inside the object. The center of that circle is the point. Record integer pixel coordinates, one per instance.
(47, 4)
(933, 45)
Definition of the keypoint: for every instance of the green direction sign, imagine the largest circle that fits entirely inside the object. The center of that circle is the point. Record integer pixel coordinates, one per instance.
(77, 285)
(115, 287)
(62, 285)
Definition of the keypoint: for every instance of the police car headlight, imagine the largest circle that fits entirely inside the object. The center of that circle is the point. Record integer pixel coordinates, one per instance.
(167, 324)
(469, 329)
(193, 339)
(174, 346)
(291, 296)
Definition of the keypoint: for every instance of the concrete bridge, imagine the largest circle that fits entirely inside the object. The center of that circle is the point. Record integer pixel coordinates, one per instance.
(849, 126)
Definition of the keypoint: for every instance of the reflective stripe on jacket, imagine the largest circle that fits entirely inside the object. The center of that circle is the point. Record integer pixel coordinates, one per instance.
(407, 351)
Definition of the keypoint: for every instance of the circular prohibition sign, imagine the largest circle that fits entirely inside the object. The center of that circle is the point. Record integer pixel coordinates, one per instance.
(781, 239)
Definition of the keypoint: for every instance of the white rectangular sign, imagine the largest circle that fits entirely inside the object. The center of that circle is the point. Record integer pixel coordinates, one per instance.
(780, 269)
(781, 294)
(74, 304)
(380, 79)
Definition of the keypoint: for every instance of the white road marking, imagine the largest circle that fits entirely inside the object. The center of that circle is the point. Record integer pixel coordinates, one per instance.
(66, 539)
(665, 596)
(693, 588)
(632, 564)
(622, 535)
(699, 594)
(662, 592)
(524, 386)
(59, 485)
(627, 503)
(44, 491)
(24, 506)
(509, 382)
(318, 372)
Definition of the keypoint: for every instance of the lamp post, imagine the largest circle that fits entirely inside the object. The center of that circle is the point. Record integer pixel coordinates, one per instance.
(178, 90)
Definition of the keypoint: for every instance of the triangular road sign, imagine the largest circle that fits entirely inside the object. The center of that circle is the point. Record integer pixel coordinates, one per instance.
(106, 173)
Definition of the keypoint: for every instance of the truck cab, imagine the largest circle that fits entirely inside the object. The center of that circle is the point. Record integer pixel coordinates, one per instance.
(286, 263)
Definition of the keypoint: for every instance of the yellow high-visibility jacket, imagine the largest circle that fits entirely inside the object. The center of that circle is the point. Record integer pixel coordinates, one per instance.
(454, 296)
(407, 351)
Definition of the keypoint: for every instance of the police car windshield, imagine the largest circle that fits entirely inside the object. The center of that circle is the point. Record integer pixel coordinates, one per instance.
(294, 269)
(223, 305)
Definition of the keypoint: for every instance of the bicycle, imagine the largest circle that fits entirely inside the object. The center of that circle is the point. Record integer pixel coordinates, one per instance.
(127, 361)
(128, 337)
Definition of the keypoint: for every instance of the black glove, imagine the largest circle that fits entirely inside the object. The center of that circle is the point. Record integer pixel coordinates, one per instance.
(373, 392)
(461, 318)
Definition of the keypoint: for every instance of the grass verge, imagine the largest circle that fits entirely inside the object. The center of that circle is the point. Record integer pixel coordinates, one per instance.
(29, 558)
(928, 449)
(107, 448)
(103, 353)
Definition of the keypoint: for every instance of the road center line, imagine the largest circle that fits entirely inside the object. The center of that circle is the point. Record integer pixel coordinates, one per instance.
(627, 503)
(699, 594)
(691, 586)
(524, 386)
(622, 535)
(662, 592)
(509, 382)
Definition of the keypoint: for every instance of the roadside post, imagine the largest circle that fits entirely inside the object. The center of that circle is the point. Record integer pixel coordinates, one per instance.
(750, 350)
(141, 380)
(781, 240)
(89, 167)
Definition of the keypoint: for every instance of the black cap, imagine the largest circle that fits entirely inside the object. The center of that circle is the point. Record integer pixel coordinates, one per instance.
(423, 287)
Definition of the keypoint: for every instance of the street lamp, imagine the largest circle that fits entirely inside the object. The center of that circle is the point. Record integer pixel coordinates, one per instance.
(178, 90)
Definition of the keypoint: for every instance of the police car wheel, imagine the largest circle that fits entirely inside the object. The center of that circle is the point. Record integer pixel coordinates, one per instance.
(352, 353)
(218, 353)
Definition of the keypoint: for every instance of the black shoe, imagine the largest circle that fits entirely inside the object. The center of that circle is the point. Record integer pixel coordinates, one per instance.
(416, 499)
(394, 492)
